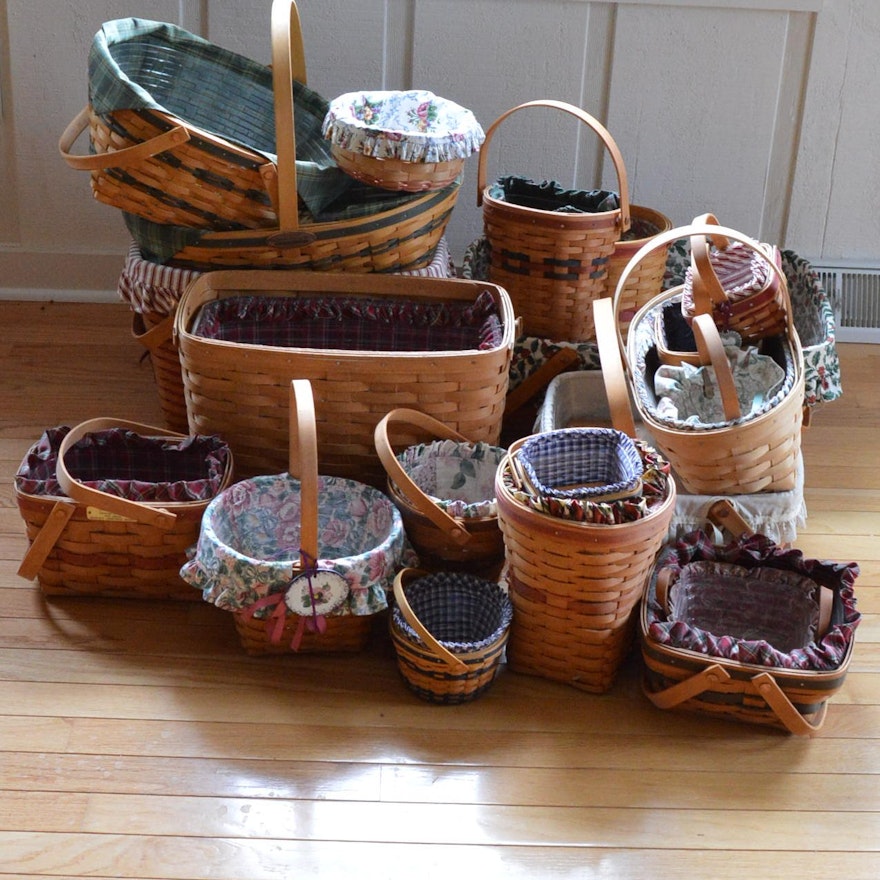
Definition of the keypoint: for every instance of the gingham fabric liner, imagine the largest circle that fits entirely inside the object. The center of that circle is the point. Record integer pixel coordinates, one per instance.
(151, 287)
(412, 126)
(756, 550)
(352, 323)
(463, 612)
(122, 463)
(581, 455)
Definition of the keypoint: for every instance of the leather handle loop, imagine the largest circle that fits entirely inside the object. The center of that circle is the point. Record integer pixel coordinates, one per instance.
(303, 461)
(454, 528)
(288, 62)
(122, 158)
(712, 352)
(454, 663)
(149, 514)
(588, 120)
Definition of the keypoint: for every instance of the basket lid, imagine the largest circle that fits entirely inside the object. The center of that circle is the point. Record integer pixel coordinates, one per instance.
(410, 126)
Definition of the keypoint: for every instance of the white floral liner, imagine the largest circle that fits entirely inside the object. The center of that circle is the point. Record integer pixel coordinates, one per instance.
(411, 126)
(250, 540)
(457, 477)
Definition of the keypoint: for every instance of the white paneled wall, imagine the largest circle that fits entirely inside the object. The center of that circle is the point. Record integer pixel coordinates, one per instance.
(763, 111)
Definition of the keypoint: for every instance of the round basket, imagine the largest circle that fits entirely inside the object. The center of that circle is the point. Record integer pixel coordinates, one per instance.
(449, 630)
(410, 141)
(445, 491)
(298, 574)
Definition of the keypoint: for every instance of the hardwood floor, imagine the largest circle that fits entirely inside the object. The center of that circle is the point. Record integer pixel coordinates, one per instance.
(138, 741)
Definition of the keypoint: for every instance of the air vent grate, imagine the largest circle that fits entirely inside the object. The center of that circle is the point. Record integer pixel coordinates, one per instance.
(854, 292)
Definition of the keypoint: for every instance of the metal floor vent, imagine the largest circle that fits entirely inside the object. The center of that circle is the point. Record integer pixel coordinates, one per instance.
(854, 292)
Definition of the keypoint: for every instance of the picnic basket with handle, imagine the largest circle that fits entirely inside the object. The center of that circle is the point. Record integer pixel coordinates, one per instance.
(575, 584)
(445, 491)
(344, 226)
(745, 453)
(735, 284)
(449, 630)
(753, 632)
(553, 263)
(368, 343)
(302, 560)
(111, 507)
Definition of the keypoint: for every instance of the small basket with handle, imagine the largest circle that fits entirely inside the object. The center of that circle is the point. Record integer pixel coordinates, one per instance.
(112, 507)
(445, 491)
(449, 630)
(552, 263)
(302, 561)
(748, 630)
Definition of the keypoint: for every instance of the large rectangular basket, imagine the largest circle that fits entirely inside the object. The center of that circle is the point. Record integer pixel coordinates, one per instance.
(112, 507)
(238, 388)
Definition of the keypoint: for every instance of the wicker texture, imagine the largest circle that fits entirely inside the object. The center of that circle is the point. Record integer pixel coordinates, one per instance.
(241, 390)
(449, 631)
(552, 264)
(346, 634)
(155, 332)
(442, 541)
(758, 454)
(89, 543)
(395, 173)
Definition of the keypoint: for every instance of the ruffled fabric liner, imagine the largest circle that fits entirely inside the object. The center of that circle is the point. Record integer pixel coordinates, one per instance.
(826, 654)
(414, 126)
(355, 323)
(128, 465)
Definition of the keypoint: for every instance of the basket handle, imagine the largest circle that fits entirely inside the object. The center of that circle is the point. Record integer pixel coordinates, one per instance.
(140, 511)
(613, 375)
(122, 158)
(439, 517)
(153, 337)
(46, 538)
(591, 122)
(712, 352)
(288, 61)
(664, 239)
(443, 653)
(303, 461)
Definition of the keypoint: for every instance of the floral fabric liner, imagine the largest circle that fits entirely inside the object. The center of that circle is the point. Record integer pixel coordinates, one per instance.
(552, 196)
(128, 465)
(249, 544)
(353, 323)
(689, 393)
(654, 492)
(752, 553)
(412, 126)
(643, 337)
(458, 477)
(558, 463)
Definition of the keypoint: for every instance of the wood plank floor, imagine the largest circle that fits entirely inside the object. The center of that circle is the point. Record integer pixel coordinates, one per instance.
(138, 741)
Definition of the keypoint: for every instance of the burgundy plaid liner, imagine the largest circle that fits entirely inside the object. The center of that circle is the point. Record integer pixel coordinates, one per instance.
(126, 464)
(352, 323)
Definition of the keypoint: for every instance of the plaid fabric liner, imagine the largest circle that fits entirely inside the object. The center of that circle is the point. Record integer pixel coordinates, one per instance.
(581, 455)
(352, 323)
(752, 552)
(463, 612)
(123, 463)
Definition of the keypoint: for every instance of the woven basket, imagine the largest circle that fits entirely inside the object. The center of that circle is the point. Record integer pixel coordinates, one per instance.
(86, 541)
(645, 281)
(770, 684)
(552, 264)
(449, 630)
(256, 224)
(759, 453)
(451, 521)
(302, 562)
(240, 388)
(574, 585)
(754, 315)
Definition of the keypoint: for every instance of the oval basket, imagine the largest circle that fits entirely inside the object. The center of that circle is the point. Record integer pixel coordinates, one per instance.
(449, 630)
(445, 491)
